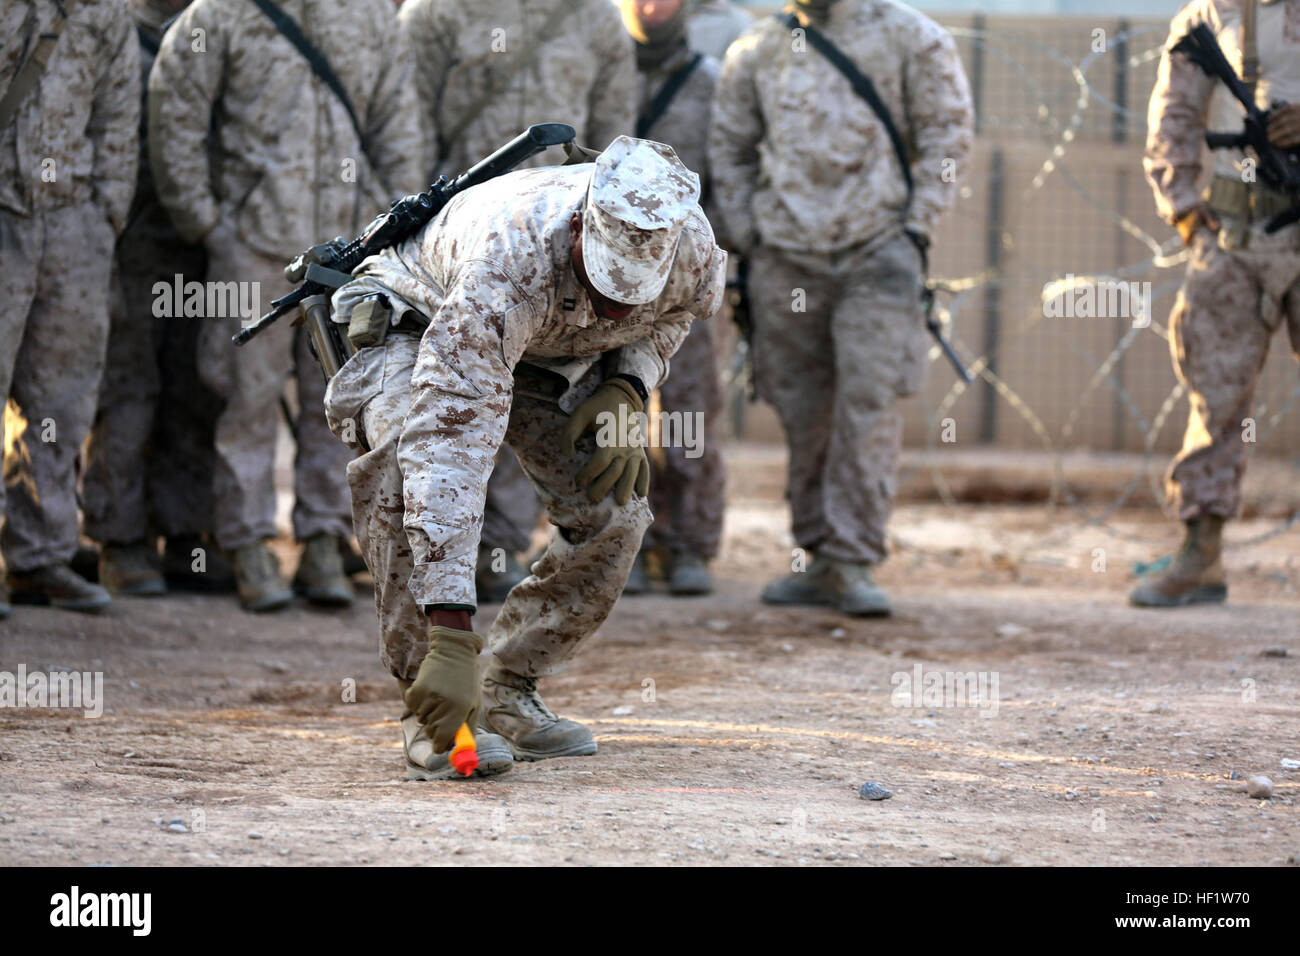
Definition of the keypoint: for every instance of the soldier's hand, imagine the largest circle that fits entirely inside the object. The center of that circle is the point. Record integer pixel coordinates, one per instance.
(1284, 126)
(447, 690)
(1192, 221)
(619, 462)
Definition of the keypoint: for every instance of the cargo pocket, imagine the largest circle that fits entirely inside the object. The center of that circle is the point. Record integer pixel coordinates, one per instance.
(349, 392)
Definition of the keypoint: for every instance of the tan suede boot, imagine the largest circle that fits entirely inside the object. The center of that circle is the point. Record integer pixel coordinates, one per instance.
(423, 764)
(1194, 575)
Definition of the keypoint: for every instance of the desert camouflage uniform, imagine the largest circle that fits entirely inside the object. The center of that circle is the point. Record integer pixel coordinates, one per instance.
(715, 25)
(585, 77)
(67, 172)
(512, 349)
(1235, 295)
(689, 493)
(155, 419)
(285, 171)
(808, 185)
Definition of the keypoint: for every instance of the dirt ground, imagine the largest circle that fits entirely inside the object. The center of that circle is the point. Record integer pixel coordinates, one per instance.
(729, 732)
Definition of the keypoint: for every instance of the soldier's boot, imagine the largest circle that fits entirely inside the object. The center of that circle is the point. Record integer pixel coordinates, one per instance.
(321, 578)
(638, 580)
(5, 609)
(512, 709)
(59, 586)
(353, 562)
(191, 563)
(258, 580)
(491, 584)
(1194, 575)
(689, 575)
(131, 569)
(423, 764)
(810, 586)
(856, 591)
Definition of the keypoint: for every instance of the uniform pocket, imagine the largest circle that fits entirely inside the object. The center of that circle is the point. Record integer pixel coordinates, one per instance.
(358, 382)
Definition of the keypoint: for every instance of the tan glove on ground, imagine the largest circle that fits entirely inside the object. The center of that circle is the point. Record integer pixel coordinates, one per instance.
(447, 689)
(620, 464)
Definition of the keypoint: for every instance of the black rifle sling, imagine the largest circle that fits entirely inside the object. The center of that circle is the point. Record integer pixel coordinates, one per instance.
(664, 98)
(320, 66)
(862, 85)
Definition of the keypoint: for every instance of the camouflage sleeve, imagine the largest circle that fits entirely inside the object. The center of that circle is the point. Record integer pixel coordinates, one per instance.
(612, 101)
(431, 49)
(114, 128)
(398, 130)
(941, 117)
(1176, 118)
(733, 146)
(460, 405)
(183, 86)
(648, 358)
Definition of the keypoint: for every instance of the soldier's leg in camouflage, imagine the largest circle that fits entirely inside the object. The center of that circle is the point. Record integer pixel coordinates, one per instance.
(879, 350)
(791, 296)
(1219, 345)
(249, 380)
(509, 516)
(321, 505)
(21, 239)
(113, 484)
(181, 465)
(55, 382)
(376, 412)
(689, 492)
(549, 614)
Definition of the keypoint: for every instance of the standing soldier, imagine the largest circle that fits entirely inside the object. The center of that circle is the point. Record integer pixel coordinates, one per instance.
(833, 200)
(265, 135)
(69, 112)
(486, 71)
(537, 309)
(155, 419)
(1241, 281)
(716, 24)
(689, 497)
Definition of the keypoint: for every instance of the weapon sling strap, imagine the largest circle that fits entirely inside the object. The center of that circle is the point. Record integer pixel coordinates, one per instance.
(664, 98)
(550, 27)
(320, 66)
(29, 74)
(861, 84)
(1249, 48)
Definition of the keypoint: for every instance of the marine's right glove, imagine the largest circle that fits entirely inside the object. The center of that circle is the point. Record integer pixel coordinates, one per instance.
(620, 464)
(447, 690)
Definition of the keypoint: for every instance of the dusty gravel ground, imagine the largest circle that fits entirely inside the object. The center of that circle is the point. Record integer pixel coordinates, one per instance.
(729, 732)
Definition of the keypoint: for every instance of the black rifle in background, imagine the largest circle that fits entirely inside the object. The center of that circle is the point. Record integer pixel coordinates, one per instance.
(325, 267)
(1279, 169)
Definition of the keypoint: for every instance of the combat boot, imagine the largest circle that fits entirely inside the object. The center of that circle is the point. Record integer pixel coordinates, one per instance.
(320, 577)
(638, 579)
(856, 591)
(810, 586)
(492, 585)
(690, 575)
(131, 569)
(423, 764)
(191, 563)
(257, 577)
(512, 709)
(1194, 575)
(59, 586)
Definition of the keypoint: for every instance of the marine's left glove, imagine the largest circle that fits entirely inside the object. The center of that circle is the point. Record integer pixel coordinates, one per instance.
(620, 461)
(447, 690)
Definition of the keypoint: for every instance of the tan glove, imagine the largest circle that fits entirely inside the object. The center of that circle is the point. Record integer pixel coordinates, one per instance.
(621, 465)
(1190, 222)
(447, 689)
